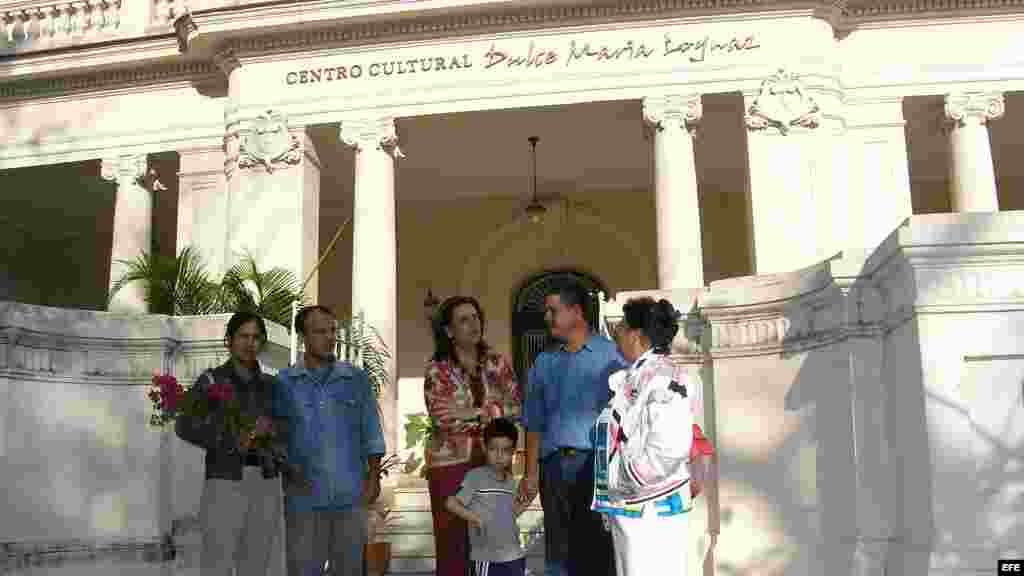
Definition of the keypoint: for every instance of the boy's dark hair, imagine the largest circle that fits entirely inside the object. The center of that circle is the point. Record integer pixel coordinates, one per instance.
(300, 318)
(501, 428)
(243, 317)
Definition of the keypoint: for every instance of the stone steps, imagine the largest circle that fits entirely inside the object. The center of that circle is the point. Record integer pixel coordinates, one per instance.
(412, 539)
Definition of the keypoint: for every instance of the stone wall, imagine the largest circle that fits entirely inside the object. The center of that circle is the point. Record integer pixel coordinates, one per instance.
(867, 411)
(81, 467)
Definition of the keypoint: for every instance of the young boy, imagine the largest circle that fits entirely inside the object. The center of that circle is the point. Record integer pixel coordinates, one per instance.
(487, 501)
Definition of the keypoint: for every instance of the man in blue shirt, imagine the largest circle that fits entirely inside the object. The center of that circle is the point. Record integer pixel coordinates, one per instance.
(335, 439)
(566, 390)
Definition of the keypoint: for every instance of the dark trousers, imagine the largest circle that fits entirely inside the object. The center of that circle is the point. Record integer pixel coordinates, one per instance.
(574, 535)
(451, 536)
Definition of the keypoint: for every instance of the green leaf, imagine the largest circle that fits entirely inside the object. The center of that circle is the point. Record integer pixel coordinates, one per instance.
(176, 286)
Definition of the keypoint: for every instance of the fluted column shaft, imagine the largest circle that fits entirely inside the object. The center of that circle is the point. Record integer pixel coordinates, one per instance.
(677, 202)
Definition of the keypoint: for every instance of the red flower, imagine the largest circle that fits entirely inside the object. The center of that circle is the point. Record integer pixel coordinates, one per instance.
(166, 392)
(264, 427)
(220, 391)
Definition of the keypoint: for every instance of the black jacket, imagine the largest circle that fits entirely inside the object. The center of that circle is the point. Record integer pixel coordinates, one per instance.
(223, 460)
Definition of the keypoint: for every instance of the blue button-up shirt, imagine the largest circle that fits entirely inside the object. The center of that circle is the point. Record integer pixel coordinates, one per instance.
(333, 429)
(566, 392)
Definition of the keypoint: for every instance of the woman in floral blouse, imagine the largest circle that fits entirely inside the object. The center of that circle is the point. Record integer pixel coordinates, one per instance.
(466, 385)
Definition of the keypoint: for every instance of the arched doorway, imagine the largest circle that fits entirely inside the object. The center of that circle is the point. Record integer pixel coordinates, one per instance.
(529, 333)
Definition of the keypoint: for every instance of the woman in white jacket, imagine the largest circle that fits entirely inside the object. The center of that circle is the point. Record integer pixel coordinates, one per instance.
(644, 438)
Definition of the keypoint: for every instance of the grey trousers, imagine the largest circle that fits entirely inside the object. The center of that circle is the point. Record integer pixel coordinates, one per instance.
(241, 522)
(337, 536)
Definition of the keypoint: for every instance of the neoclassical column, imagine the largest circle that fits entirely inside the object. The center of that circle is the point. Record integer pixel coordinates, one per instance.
(133, 226)
(374, 240)
(677, 203)
(972, 173)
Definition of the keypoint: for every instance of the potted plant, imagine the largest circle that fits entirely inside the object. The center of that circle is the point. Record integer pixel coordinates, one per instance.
(419, 428)
(378, 552)
(381, 516)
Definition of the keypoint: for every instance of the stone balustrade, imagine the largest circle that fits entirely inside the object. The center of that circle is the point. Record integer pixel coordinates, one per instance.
(40, 24)
(37, 25)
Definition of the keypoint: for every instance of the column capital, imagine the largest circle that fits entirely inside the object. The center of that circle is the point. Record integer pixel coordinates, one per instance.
(683, 110)
(371, 133)
(974, 106)
(125, 167)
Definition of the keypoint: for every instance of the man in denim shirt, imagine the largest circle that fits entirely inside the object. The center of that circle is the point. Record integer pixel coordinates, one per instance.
(335, 438)
(567, 389)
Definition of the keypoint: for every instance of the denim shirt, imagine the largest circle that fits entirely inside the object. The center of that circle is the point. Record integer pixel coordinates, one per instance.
(333, 428)
(566, 392)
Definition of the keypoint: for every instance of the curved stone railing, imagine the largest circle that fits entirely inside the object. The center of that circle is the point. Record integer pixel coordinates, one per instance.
(847, 398)
(88, 483)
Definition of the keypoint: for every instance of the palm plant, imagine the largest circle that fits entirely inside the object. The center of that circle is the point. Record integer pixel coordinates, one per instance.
(269, 293)
(177, 286)
(361, 344)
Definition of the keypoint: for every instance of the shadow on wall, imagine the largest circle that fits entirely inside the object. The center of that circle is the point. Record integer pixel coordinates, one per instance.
(56, 228)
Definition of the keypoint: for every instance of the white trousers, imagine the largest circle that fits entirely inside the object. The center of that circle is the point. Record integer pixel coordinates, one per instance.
(241, 523)
(651, 545)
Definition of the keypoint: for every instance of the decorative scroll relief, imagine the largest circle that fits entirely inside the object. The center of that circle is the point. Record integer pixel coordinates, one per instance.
(124, 168)
(380, 133)
(783, 104)
(678, 110)
(744, 332)
(61, 21)
(977, 107)
(54, 355)
(270, 144)
(803, 320)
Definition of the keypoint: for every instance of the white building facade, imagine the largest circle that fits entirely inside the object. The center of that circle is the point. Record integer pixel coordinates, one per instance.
(831, 189)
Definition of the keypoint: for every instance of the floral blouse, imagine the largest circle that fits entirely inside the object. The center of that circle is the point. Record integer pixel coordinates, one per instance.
(450, 403)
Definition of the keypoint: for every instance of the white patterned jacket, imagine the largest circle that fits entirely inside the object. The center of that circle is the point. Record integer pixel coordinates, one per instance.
(650, 430)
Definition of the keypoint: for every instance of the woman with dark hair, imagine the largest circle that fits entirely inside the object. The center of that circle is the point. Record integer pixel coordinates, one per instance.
(644, 438)
(467, 384)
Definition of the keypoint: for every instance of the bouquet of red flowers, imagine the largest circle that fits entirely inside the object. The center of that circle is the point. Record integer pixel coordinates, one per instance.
(255, 434)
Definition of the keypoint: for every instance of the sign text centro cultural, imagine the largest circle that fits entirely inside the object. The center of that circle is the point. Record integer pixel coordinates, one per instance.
(692, 50)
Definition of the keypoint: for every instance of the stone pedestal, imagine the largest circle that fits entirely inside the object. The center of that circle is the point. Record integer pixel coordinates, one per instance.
(971, 169)
(273, 203)
(876, 198)
(680, 254)
(133, 227)
(798, 166)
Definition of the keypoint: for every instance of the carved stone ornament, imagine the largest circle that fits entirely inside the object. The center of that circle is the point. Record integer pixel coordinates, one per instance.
(366, 133)
(126, 168)
(783, 103)
(683, 111)
(270, 144)
(185, 29)
(977, 106)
